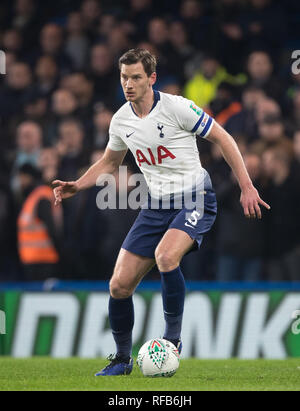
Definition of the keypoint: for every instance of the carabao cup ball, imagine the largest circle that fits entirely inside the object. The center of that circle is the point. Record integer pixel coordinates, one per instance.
(158, 358)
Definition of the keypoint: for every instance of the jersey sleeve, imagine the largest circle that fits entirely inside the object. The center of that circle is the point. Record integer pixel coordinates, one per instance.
(115, 142)
(192, 118)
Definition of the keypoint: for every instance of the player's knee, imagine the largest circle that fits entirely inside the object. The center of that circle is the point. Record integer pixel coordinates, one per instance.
(165, 260)
(117, 290)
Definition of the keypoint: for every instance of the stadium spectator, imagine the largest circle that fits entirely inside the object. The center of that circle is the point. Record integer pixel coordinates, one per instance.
(107, 22)
(82, 87)
(9, 263)
(294, 116)
(51, 41)
(24, 10)
(84, 233)
(10, 59)
(296, 146)
(294, 85)
(90, 12)
(225, 104)
(230, 34)
(139, 14)
(266, 107)
(71, 149)
(29, 141)
(197, 23)
(18, 83)
(76, 44)
(103, 73)
(245, 121)
(38, 227)
(271, 132)
(158, 35)
(162, 68)
(27, 20)
(117, 224)
(184, 53)
(12, 42)
(283, 224)
(260, 70)
(296, 141)
(118, 42)
(240, 242)
(202, 88)
(172, 88)
(102, 118)
(216, 166)
(63, 105)
(46, 72)
(48, 163)
(35, 108)
(260, 19)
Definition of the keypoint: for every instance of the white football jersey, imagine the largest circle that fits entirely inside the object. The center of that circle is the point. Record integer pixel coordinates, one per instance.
(164, 142)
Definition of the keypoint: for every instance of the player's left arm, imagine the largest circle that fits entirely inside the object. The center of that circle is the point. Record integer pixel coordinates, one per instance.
(250, 199)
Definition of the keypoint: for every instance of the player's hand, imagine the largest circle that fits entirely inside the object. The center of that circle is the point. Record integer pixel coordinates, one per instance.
(251, 202)
(63, 190)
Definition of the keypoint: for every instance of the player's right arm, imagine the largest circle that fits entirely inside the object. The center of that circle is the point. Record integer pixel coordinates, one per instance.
(108, 164)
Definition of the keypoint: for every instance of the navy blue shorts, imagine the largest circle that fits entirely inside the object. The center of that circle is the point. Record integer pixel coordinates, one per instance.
(150, 225)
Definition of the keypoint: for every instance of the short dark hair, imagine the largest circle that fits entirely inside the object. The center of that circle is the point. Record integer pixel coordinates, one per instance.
(134, 56)
(30, 170)
(72, 120)
(271, 119)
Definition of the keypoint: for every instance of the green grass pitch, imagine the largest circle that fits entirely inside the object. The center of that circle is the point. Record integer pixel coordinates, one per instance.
(41, 373)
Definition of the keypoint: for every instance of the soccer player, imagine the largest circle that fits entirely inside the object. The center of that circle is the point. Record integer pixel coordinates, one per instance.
(160, 130)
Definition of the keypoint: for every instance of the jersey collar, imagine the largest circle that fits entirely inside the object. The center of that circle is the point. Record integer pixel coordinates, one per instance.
(156, 99)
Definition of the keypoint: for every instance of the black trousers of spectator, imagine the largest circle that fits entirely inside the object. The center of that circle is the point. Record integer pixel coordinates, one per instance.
(40, 272)
(284, 268)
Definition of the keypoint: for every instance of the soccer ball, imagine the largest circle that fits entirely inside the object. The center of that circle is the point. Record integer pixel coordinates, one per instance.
(158, 358)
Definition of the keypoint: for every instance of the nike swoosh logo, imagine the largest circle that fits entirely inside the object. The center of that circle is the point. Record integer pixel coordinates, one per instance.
(128, 135)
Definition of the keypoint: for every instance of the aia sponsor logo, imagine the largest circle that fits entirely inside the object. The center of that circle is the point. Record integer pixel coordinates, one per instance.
(150, 159)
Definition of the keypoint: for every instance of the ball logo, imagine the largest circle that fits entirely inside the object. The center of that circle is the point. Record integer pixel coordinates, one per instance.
(157, 353)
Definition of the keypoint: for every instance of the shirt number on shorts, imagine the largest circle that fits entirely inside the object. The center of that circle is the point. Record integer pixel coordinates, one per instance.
(193, 219)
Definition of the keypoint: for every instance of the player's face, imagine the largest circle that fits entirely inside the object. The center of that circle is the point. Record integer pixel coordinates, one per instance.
(135, 81)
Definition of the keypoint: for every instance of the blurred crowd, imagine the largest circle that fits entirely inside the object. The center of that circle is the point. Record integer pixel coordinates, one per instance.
(61, 88)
